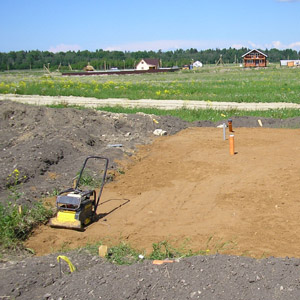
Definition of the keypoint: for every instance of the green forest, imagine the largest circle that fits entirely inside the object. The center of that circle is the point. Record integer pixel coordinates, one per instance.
(101, 59)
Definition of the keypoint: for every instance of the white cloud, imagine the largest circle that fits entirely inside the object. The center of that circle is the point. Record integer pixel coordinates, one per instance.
(288, 0)
(279, 45)
(295, 45)
(166, 45)
(64, 48)
(274, 44)
(238, 46)
(254, 45)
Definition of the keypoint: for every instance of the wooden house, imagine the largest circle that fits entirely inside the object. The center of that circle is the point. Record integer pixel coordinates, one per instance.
(148, 64)
(255, 58)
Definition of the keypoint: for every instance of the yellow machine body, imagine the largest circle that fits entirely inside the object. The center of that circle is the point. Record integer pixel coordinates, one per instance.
(74, 211)
(65, 219)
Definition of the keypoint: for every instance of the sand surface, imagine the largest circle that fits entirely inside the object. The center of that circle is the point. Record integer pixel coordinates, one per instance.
(189, 190)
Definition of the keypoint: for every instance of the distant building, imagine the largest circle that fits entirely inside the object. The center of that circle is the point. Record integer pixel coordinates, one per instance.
(290, 62)
(197, 64)
(89, 67)
(255, 58)
(148, 64)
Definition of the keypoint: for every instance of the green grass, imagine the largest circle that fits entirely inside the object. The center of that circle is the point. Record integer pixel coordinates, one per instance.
(17, 222)
(192, 115)
(164, 249)
(124, 254)
(89, 179)
(230, 83)
(213, 115)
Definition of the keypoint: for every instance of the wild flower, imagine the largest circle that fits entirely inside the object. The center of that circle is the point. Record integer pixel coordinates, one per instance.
(13, 181)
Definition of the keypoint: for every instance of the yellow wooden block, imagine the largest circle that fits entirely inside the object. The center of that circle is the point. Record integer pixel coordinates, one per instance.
(103, 250)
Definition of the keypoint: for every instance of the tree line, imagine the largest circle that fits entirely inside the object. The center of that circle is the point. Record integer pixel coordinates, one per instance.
(102, 59)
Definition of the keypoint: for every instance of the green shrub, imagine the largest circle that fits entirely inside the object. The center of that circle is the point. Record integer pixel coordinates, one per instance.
(164, 250)
(122, 254)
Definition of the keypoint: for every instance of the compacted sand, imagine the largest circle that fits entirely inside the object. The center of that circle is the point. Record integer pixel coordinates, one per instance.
(188, 189)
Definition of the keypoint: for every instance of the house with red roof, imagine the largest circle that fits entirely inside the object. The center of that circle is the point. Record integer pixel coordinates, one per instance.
(148, 64)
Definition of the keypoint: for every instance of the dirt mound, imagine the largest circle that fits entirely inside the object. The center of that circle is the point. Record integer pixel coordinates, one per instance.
(48, 146)
(204, 277)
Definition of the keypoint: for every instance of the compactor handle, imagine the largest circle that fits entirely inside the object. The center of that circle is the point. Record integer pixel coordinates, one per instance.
(103, 178)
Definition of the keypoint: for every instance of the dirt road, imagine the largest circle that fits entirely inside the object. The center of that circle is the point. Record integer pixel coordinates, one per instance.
(161, 104)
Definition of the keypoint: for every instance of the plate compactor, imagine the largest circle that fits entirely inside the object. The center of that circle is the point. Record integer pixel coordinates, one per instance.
(76, 208)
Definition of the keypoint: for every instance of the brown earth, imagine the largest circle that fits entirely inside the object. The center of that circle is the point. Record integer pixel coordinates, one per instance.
(187, 188)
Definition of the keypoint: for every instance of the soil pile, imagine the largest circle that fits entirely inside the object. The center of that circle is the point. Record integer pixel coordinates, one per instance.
(48, 146)
(203, 277)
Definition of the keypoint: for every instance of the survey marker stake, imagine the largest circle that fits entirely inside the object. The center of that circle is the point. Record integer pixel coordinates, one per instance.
(224, 131)
(231, 144)
(230, 125)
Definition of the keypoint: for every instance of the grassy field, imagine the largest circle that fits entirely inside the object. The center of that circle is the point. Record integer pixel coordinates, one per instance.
(210, 83)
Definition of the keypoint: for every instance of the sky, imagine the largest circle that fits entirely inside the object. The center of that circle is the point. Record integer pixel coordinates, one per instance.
(137, 25)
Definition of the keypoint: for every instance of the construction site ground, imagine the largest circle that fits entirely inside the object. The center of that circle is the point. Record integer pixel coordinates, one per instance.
(184, 188)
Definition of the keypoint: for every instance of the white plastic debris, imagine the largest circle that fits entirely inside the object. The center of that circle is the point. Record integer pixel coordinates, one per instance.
(114, 145)
(159, 132)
